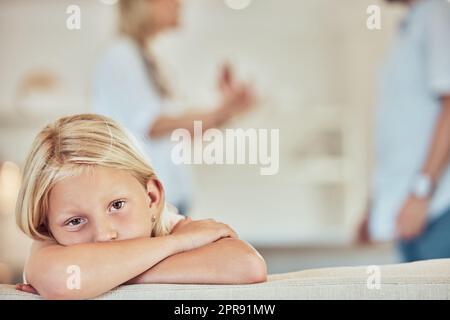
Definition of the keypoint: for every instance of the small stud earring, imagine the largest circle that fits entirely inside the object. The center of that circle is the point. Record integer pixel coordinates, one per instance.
(153, 219)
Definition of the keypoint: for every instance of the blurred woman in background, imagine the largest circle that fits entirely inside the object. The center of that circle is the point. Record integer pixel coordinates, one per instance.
(410, 200)
(129, 87)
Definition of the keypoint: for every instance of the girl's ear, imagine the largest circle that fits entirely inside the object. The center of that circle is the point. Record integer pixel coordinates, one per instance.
(155, 191)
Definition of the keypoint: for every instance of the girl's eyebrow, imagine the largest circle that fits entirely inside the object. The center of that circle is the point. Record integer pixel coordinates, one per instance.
(114, 195)
(115, 192)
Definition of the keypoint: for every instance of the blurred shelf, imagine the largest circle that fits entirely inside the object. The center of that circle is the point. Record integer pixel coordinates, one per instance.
(312, 170)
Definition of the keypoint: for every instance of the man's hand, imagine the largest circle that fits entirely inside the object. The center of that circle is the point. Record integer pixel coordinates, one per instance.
(362, 236)
(412, 218)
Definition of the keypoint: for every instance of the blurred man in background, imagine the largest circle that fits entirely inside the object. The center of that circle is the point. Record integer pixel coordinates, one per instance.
(410, 199)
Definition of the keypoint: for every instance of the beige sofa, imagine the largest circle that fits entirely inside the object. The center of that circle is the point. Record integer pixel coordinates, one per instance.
(419, 280)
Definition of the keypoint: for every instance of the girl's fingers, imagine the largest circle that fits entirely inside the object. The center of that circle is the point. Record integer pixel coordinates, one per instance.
(26, 288)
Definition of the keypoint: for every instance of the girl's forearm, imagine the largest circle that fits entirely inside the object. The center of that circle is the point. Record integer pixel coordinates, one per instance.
(100, 267)
(226, 261)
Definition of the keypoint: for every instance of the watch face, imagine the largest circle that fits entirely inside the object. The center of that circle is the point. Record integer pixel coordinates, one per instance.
(422, 186)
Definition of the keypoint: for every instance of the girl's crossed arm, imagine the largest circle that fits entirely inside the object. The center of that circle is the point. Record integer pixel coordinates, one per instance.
(105, 265)
(225, 261)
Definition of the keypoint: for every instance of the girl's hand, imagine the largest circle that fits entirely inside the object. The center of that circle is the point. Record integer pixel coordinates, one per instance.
(195, 234)
(26, 288)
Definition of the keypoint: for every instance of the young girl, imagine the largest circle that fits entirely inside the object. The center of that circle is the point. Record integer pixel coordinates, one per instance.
(94, 205)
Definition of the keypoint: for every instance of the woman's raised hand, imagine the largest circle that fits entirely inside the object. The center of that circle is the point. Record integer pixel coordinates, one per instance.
(236, 97)
(195, 234)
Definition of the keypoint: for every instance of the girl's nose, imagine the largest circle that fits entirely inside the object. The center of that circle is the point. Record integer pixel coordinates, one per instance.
(106, 233)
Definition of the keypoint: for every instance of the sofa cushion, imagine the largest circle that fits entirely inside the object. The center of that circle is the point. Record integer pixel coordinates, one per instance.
(428, 279)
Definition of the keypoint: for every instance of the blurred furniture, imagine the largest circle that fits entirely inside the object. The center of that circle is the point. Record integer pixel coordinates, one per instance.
(36, 92)
(419, 280)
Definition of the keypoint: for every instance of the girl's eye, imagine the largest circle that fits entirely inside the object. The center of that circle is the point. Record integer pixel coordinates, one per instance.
(117, 205)
(75, 222)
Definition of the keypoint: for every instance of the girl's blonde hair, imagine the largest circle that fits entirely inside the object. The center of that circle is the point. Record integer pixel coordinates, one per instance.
(67, 147)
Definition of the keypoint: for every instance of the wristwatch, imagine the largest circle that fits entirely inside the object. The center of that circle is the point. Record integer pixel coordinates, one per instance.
(422, 186)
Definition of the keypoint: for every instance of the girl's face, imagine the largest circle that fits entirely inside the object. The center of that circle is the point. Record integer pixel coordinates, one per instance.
(102, 205)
